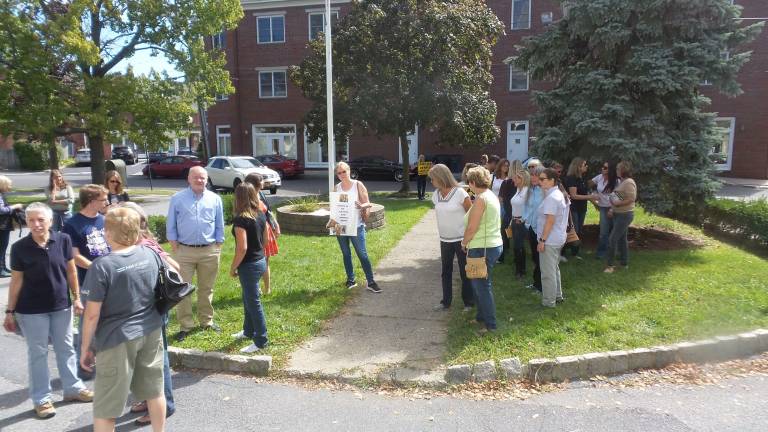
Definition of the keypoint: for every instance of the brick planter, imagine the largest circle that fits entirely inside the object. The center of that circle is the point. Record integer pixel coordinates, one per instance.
(314, 223)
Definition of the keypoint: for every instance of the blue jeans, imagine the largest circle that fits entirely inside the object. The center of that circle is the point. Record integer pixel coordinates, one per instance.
(486, 307)
(421, 186)
(170, 405)
(606, 225)
(254, 323)
(447, 251)
(37, 329)
(618, 238)
(362, 254)
(59, 218)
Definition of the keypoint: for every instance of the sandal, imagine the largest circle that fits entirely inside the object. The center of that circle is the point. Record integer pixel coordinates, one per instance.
(143, 421)
(139, 407)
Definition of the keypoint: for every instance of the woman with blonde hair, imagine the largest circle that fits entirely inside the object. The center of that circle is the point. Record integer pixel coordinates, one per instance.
(451, 203)
(6, 223)
(123, 325)
(249, 227)
(114, 184)
(482, 238)
(519, 232)
(356, 190)
(60, 198)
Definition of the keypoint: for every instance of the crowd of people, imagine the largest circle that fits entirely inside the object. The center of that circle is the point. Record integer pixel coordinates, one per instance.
(501, 205)
(102, 263)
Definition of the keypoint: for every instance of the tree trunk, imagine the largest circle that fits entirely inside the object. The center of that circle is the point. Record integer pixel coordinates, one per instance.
(96, 143)
(53, 154)
(404, 151)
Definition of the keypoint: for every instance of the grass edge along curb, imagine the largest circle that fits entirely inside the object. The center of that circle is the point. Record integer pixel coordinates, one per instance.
(584, 366)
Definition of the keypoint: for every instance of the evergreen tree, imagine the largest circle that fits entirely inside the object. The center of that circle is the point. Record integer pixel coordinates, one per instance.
(627, 80)
(401, 63)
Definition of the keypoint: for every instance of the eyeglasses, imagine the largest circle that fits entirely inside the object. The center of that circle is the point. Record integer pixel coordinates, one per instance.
(114, 181)
(340, 172)
(543, 178)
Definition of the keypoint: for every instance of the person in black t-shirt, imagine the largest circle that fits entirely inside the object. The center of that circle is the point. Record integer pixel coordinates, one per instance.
(249, 227)
(578, 191)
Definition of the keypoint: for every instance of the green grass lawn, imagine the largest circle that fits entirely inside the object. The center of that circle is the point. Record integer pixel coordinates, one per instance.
(307, 284)
(665, 296)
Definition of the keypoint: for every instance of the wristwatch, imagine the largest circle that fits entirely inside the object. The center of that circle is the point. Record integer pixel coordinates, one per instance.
(10, 311)
(541, 240)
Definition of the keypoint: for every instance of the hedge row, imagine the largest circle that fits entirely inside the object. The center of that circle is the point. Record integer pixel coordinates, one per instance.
(747, 219)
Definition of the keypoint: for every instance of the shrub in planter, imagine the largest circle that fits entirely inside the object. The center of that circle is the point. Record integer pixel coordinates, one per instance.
(156, 225)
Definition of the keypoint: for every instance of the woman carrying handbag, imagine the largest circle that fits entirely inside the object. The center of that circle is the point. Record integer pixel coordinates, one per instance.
(482, 239)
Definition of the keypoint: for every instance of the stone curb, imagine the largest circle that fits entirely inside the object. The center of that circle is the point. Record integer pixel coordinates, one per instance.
(583, 366)
(196, 359)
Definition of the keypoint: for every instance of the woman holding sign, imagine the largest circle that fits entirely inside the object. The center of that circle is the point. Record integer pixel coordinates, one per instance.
(422, 171)
(355, 189)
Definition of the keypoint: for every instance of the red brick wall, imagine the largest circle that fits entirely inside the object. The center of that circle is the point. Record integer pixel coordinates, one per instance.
(245, 108)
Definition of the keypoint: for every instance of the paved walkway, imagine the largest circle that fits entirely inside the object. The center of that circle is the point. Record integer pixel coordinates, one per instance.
(392, 334)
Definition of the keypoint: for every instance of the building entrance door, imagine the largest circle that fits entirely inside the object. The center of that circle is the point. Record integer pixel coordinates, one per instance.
(517, 140)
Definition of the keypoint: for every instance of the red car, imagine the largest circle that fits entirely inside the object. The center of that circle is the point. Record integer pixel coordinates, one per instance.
(284, 166)
(172, 166)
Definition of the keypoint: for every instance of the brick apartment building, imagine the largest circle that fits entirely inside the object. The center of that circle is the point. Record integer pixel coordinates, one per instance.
(264, 115)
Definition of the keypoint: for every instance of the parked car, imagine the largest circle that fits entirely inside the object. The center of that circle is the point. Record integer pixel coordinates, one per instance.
(284, 166)
(377, 166)
(229, 171)
(126, 154)
(156, 156)
(171, 166)
(83, 157)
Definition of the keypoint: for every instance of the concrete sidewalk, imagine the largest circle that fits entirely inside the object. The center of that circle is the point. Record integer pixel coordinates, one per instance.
(395, 334)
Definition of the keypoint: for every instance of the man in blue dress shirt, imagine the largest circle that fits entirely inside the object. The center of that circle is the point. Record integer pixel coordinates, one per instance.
(195, 229)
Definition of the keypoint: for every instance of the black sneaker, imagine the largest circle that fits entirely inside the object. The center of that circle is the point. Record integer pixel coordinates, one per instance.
(373, 287)
(351, 284)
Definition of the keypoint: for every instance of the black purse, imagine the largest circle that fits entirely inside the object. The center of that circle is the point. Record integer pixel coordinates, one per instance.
(170, 289)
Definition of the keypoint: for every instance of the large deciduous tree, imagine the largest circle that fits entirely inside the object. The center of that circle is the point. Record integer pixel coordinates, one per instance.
(60, 63)
(402, 63)
(627, 79)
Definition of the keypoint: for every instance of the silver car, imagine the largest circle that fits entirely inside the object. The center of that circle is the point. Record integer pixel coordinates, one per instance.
(229, 171)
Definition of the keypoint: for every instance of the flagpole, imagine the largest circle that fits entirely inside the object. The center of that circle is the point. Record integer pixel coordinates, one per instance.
(329, 97)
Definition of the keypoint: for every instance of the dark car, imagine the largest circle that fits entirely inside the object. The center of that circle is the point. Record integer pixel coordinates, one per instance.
(284, 166)
(126, 154)
(376, 166)
(172, 166)
(185, 152)
(156, 156)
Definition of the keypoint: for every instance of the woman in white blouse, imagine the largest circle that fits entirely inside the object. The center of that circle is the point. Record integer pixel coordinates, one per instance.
(519, 232)
(451, 203)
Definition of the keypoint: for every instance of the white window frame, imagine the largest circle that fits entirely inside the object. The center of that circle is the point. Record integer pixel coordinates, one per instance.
(512, 17)
(310, 12)
(527, 79)
(220, 135)
(732, 134)
(271, 33)
(221, 97)
(255, 134)
(272, 71)
(309, 164)
(221, 38)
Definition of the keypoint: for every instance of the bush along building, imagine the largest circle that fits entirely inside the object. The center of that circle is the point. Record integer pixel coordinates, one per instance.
(265, 113)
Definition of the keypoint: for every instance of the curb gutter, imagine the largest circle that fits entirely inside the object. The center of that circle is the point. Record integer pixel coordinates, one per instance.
(542, 370)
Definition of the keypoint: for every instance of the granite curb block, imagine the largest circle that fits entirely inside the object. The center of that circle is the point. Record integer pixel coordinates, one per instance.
(216, 361)
(585, 366)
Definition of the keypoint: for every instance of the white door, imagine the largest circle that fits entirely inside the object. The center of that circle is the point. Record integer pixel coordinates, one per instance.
(517, 140)
(413, 147)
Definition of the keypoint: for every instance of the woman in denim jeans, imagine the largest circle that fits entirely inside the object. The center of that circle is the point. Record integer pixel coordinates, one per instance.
(39, 301)
(249, 227)
(604, 183)
(482, 237)
(622, 212)
(355, 188)
(60, 197)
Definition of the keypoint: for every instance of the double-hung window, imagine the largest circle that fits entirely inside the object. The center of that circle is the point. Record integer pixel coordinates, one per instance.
(317, 23)
(272, 84)
(270, 29)
(219, 41)
(521, 14)
(518, 79)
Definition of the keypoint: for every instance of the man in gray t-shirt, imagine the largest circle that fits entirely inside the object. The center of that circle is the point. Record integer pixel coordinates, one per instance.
(124, 283)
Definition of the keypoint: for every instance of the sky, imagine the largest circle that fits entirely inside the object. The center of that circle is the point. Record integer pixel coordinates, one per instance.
(143, 62)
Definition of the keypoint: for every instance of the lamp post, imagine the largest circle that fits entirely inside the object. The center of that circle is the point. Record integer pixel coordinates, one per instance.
(329, 97)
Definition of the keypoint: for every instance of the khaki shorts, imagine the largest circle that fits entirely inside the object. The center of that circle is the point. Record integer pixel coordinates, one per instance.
(135, 366)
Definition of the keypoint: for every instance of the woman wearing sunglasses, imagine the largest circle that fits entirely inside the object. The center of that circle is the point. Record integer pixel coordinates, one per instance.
(551, 228)
(114, 184)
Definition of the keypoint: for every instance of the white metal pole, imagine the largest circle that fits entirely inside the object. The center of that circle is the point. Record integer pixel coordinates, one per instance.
(329, 97)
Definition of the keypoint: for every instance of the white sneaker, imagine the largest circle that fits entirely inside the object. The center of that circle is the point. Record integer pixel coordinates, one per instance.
(239, 335)
(252, 348)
